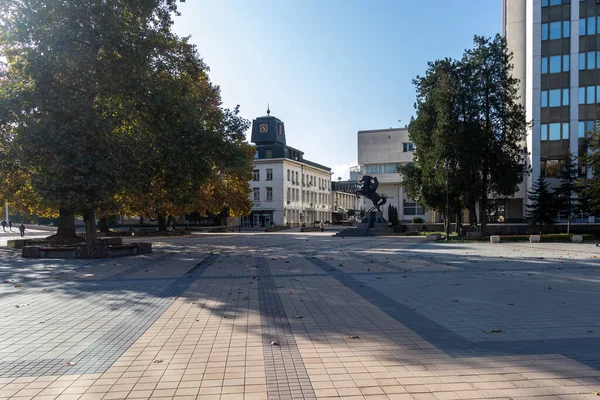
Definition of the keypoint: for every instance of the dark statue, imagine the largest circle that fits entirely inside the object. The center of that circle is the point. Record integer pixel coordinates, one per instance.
(368, 189)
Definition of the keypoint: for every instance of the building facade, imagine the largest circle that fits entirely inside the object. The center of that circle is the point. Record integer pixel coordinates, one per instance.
(380, 153)
(346, 205)
(556, 56)
(287, 190)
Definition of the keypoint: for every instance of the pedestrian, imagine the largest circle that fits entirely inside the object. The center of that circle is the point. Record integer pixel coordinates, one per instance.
(4, 225)
(10, 225)
(22, 229)
(322, 226)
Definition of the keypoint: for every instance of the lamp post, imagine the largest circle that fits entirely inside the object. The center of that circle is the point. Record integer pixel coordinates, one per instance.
(447, 205)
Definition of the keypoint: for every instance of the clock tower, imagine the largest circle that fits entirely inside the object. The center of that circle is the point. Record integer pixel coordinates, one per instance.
(268, 130)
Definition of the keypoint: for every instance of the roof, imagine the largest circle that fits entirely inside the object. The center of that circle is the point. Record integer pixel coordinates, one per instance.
(383, 130)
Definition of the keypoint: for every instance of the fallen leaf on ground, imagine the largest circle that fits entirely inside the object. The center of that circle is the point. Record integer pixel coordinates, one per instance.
(510, 304)
(274, 343)
(494, 331)
(71, 363)
(157, 361)
(299, 316)
(353, 337)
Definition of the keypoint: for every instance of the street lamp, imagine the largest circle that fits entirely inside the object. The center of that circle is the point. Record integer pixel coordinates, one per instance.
(447, 203)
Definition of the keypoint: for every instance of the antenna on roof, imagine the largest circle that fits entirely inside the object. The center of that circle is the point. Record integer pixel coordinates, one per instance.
(268, 109)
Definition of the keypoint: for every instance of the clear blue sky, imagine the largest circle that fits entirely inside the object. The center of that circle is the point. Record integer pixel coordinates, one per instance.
(330, 68)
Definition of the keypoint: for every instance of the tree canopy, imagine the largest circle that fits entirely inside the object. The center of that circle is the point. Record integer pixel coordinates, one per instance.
(469, 128)
(100, 103)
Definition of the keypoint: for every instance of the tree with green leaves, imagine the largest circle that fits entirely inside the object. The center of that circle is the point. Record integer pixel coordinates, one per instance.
(590, 187)
(76, 73)
(468, 130)
(542, 203)
(567, 192)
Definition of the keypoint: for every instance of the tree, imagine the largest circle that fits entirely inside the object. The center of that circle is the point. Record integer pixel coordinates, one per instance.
(468, 130)
(393, 215)
(590, 192)
(567, 192)
(77, 72)
(542, 204)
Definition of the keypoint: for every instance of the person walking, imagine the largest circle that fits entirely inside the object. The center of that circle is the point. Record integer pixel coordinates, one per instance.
(10, 225)
(322, 226)
(4, 225)
(22, 229)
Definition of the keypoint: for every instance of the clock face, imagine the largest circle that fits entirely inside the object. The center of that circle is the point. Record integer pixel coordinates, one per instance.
(264, 128)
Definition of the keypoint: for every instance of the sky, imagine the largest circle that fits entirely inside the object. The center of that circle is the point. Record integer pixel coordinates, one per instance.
(329, 68)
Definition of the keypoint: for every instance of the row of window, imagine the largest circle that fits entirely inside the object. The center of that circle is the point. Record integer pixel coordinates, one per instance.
(589, 95)
(546, 3)
(585, 127)
(308, 197)
(408, 146)
(309, 180)
(555, 131)
(589, 60)
(560, 130)
(556, 64)
(589, 26)
(268, 194)
(256, 174)
(389, 168)
(556, 30)
(555, 98)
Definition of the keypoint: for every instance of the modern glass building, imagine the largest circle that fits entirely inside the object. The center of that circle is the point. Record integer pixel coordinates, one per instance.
(556, 56)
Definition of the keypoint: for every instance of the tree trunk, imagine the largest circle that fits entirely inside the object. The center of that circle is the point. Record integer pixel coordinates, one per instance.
(91, 235)
(66, 223)
(141, 220)
(482, 216)
(103, 225)
(162, 222)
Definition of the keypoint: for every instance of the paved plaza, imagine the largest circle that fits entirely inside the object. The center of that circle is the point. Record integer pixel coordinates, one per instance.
(304, 316)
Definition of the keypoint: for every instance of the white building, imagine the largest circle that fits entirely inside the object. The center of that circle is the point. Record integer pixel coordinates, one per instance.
(287, 190)
(380, 152)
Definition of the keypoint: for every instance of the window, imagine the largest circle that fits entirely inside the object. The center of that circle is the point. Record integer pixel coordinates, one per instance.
(591, 60)
(303, 176)
(555, 30)
(590, 94)
(412, 208)
(268, 153)
(269, 194)
(582, 27)
(581, 129)
(297, 181)
(550, 168)
(555, 131)
(555, 98)
(544, 132)
(566, 29)
(256, 175)
(566, 63)
(591, 26)
(544, 31)
(256, 194)
(581, 95)
(288, 175)
(544, 65)
(555, 64)
(544, 100)
(289, 195)
(565, 130)
(269, 174)
(581, 61)
(409, 146)
(565, 99)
